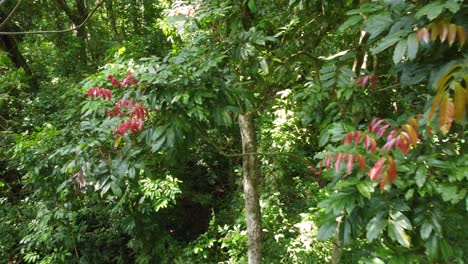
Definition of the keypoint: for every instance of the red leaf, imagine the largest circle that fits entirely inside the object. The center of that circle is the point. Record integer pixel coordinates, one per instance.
(376, 125)
(328, 162)
(338, 161)
(357, 137)
(382, 130)
(376, 169)
(367, 142)
(389, 144)
(403, 143)
(349, 165)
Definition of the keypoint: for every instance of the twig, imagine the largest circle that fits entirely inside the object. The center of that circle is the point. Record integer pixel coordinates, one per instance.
(54, 31)
(11, 14)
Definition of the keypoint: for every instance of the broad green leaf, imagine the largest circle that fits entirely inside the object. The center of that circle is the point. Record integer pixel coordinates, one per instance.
(326, 231)
(386, 43)
(427, 8)
(400, 51)
(105, 188)
(345, 231)
(420, 176)
(116, 189)
(426, 230)
(377, 24)
(412, 45)
(397, 231)
(324, 137)
(432, 247)
(366, 188)
(252, 6)
(350, 22)
(375, 227)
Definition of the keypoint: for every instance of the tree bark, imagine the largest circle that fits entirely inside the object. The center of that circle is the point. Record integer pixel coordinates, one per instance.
(250, 173)
(336, 255)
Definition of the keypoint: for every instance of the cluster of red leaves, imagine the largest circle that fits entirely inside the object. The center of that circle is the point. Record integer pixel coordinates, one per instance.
(133, 125)
(396, 138)
(127, 81)
(95, 92)
(121, 107)
(138, 113)
(364, 80)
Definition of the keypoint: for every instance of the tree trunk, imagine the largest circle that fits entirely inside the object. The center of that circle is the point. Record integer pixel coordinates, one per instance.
(250, 179)
(336, 255)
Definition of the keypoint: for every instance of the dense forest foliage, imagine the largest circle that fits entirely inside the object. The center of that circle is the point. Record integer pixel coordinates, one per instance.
(233, 131)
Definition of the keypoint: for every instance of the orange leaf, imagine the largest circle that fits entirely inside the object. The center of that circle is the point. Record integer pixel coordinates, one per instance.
(383, 180)
(435, 103)
(452, 33)
(361, 161)
(411, 133)
(414, 123)
(392, 172)
(461, 35)
(460, 102)
(373, 146)
(443, 28)
(434, 31)
(446, 114)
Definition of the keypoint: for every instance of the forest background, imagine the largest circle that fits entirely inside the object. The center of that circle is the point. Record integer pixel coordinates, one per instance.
(238, 131)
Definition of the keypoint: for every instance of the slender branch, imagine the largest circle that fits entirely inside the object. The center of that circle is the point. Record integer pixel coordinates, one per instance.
(11, 14)
(55, 31)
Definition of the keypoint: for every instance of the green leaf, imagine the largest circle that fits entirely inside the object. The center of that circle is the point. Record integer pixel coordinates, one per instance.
(366, 188)
(252, 6)
(397, 231)
(345, 231)
(426, 230)
(105, 188)
(420, 176)
(326, 231)
(157, 146)
(375, 227)
(386, 43)
(324, 137)
(427, 8)
(377, 24)
(350, 22)
(400, 51)
(432, 247)
(412, 45)
(116, 189)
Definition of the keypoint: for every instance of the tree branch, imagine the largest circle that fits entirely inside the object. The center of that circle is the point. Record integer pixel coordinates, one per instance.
(11, 14)
(56, 31)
